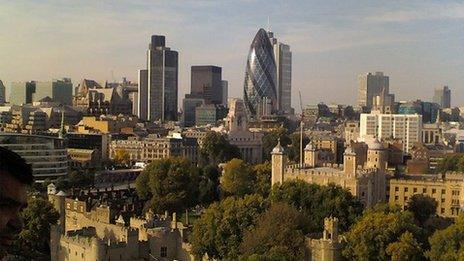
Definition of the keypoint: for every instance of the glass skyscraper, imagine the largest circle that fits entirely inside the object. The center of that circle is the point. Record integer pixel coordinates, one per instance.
(159, 82)
(260, 90)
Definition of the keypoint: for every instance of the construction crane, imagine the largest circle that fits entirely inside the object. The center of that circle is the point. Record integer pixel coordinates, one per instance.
(301, 132)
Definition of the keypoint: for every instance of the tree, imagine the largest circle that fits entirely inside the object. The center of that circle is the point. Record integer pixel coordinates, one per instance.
(317, 202)
(453, 162)
(406, 248)
(237, 179)
(216, 149)
(278, 235)
(293, 151)
(262, 175)
(379, 230)
(81, 179)
(448, 244)
(171, 184)
(122, 157)
(270, 140)
(33, 241)
(209, 185)
(422, 206)
(219, 231)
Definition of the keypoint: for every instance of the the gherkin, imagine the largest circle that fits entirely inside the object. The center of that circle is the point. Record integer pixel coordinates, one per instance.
(260, 76)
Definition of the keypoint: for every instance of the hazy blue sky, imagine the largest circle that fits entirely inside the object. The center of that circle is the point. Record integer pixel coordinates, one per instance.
(419, 44)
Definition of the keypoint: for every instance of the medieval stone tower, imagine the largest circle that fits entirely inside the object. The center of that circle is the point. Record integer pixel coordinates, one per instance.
(377, 156)
(278, 161)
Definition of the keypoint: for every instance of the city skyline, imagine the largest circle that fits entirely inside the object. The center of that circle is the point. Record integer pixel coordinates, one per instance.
(417, 44)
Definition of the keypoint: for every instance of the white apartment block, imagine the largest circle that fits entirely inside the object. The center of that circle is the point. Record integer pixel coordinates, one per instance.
(406, 127)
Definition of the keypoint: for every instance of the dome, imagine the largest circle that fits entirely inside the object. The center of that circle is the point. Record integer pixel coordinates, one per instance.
(349, 150)
(278, 149)
(375, 145)
(309, 146)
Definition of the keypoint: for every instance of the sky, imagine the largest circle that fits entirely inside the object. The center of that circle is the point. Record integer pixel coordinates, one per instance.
(419, 44)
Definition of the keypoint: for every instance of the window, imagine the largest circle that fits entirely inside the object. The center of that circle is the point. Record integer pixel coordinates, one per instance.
(406, 189)
(434, 191)
(424, 190)
(442, 200)
(396, 198)
(164, 251)
(442, 211)
(397, 189)
(443, 191)
(414, 190)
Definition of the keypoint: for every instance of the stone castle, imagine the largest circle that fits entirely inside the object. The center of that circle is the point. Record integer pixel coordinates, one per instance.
(365, 176)
(89, 231)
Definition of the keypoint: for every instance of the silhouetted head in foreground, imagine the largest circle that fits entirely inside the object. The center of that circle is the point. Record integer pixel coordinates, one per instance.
(15, 177)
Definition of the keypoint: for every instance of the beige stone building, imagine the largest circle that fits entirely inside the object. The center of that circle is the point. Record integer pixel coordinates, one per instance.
(153, 148)
(447, 190)
(367, 182)
(329, 247)
(86, 232)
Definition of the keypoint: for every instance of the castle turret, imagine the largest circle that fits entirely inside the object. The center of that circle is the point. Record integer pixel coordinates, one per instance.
(330, 229)
(278, 161)
(349, 161)
(311, 155)
(377, 156)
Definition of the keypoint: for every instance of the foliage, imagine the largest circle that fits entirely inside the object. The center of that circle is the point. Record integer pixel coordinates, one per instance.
(278, 235)
(216, 149)
(270, 141)
(377, 231)
(422, 206)
(208, 187)
(262, 176)
(219, 231)
(171, 184)
(237, 179)
(293, 151)
(122, 157)
(33, 240)
(448, 244)
(453, 162)
(318, 202)
(406, 248)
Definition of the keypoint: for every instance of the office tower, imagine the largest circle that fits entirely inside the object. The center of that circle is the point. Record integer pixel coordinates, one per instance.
(283, 59)
(189, 106)
(206, 83)
(142, 100)
(442, 96)
(406, 127)
(260, 76)
(162, 80)
(370, 86)
(2, 93)
(60, 91)
(225, 92)
(21, 92)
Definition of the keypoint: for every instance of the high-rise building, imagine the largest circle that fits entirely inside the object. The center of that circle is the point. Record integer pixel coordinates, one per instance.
(21, 92)
(405, 127)
(162, 81)
(283, 59)
(59, 91)
(442, 96)
(142, 101)
(2, 93)
(206, 83)
(225, 92)
(260, 76)
(370, 86)
(189, 106)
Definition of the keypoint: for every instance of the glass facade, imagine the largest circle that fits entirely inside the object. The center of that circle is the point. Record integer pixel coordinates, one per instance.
(47, 155)
(260, 76)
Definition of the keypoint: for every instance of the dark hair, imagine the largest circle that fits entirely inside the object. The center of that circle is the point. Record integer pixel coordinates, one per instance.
(16, 166)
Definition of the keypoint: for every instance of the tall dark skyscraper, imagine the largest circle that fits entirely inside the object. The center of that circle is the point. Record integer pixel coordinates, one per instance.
(161, 83)
(206, 83)
(260, 87)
